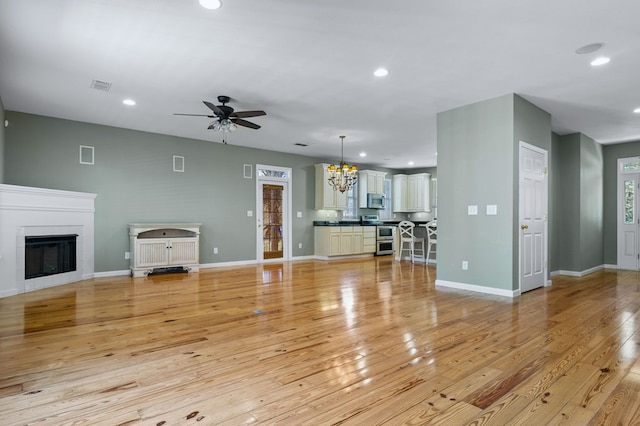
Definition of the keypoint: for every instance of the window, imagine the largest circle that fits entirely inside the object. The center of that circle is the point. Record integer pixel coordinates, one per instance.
(631, 166)
(629, 202)
(352, 204)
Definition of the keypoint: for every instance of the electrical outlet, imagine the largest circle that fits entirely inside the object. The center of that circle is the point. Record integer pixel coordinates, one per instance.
(299, 245)
(465, 265)
(215, 250)
(127, 255)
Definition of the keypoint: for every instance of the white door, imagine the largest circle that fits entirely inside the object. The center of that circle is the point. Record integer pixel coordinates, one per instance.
(628, 221)
(533, 217)
(273, 205)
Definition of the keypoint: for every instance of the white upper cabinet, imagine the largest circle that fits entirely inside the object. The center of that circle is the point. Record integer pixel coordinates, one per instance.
(328, 198)
(399, 193)
(411, 193)
(369, 182)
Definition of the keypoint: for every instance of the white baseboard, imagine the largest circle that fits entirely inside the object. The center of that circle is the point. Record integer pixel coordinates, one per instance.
(311, 257)
(608, 266)
(578, 273)
(346, 256)
(108, 274)
(478, 288)
(223, 264)
(7, 293)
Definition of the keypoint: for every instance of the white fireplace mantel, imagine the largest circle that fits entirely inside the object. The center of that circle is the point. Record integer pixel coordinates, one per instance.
(26, 211)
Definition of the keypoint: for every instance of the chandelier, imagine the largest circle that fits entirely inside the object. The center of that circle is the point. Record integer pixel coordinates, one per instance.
(223, 125)
(342, 178)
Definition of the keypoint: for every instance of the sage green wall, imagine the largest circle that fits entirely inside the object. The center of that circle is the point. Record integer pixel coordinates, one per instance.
(475, 167)
(591, 204)
(554, 200)
(2, 143)
(611, 153)
(568, 198)
(478, 158)
(134, 181)
(580, 204)
(533, 126)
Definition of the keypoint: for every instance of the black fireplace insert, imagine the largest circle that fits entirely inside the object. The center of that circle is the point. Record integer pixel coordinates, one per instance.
(49, 255)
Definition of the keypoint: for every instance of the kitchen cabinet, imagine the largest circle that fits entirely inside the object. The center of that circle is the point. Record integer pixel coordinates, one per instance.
(369, 182)
(344, 240)
(155, 246)
(369, 239)
(411, 193)
(399, 193)
(328, 198)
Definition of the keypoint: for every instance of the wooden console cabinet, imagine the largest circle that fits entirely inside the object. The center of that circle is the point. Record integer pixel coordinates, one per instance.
(160, 246)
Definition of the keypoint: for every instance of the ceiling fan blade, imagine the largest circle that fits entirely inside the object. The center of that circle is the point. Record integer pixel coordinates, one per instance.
(196, 115)
(245, 123)
(247, 114)
(217, 111)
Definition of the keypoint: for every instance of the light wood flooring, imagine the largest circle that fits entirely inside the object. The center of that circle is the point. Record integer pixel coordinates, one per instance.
(357, 342)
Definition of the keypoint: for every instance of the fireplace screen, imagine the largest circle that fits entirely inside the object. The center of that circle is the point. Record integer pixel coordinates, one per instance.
(49, 254)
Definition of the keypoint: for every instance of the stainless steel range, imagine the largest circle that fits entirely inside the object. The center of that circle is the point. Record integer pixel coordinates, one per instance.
(385, 234)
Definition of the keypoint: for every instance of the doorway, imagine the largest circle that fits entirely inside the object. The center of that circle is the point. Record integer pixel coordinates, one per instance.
(273, 205)
(533, 190)
(627, 213)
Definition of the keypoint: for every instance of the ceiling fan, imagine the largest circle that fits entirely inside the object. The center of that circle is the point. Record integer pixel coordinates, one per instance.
(226, 119)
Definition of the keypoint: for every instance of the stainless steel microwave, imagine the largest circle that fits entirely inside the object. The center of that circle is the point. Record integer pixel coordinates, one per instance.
(376, 201)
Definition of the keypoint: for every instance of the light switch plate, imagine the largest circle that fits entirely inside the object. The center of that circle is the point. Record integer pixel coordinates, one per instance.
(492, 209)
(299, 214)
(249, 213)
(472, 210)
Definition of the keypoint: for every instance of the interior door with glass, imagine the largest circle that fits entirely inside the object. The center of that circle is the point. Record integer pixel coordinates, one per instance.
(272, 221)
(628, 221)
(273, 205)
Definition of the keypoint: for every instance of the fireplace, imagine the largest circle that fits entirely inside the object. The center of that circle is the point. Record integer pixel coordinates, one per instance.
(42, 213)
(49, 255)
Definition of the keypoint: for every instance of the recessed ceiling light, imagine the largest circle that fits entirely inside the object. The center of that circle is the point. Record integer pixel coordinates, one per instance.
(589, 48)
(600, 61)
(411, 163)
(211, 4)
(363, 154)
(637, 110)
(129, 102)
(381, 72)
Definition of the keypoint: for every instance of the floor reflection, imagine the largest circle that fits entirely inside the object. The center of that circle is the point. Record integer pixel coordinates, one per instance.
(51, 313)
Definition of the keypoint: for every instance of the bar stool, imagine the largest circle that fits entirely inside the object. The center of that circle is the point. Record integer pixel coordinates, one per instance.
(432, 238)
(408, 241)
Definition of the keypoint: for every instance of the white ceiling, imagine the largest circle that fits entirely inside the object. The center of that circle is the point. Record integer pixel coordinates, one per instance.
(309, 65)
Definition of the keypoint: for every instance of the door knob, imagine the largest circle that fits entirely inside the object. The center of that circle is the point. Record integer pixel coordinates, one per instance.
(524, 226)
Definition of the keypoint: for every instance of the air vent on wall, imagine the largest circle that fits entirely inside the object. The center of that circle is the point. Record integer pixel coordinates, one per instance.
(100, 85)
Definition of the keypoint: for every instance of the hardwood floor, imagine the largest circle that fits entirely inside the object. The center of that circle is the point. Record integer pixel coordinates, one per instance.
(362, 342)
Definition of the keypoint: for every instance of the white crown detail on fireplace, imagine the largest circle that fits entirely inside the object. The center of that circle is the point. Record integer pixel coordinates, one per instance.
(26, 211)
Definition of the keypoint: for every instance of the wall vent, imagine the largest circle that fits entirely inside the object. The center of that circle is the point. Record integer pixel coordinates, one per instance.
(100, 85)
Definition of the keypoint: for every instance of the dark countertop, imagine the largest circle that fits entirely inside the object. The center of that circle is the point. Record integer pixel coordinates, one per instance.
(339, 223)
(357, 223)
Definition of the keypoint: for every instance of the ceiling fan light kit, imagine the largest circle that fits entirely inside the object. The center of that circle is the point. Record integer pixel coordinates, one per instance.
(226, 119)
